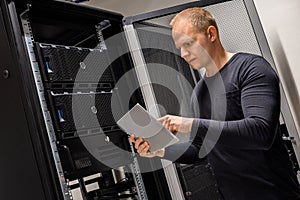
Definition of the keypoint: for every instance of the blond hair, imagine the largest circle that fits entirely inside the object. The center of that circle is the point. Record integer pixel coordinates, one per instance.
(199, 17)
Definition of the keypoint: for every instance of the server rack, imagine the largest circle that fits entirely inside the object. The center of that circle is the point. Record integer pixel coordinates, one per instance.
(66, 74)
(52, 53)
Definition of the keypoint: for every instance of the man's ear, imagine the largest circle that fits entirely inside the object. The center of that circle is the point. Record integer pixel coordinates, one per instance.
(212, 33)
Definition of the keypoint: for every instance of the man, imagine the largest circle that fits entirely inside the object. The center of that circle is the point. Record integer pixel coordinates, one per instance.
(236, 119)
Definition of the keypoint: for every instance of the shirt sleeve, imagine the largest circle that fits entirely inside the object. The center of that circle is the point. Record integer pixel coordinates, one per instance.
(185, 153)
(260, 102)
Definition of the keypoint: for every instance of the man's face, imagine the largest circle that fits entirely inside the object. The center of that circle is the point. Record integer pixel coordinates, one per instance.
(193, 46)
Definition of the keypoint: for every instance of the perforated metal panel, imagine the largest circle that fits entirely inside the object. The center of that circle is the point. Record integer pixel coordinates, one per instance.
(69, 64)
(82, 111)
(236, 30)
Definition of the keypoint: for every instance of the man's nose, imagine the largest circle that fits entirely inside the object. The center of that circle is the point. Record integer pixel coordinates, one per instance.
(184, 53)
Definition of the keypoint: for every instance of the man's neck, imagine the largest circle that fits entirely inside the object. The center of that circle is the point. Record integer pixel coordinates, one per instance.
(218, 62)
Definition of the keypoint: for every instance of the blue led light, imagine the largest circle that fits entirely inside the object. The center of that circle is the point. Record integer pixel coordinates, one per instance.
(61, 119)
(48, 67)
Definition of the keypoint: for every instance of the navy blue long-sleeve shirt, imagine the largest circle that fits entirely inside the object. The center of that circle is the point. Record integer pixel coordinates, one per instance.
(236, 124)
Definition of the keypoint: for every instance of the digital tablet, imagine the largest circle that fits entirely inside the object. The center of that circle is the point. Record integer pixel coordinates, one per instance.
(139, 122)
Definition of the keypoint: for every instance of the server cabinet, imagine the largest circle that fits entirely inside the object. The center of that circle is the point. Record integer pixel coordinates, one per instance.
(69, 72)
(60, 75)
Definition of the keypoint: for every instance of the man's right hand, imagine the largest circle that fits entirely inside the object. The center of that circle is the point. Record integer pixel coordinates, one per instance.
(143, 147)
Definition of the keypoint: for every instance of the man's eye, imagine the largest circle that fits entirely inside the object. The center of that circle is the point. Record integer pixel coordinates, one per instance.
(187, 44)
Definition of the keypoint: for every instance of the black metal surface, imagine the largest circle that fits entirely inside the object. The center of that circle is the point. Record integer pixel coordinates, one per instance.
(93, 154)
(43, 7)
(199, 182)
(64, 23)
(23, 156)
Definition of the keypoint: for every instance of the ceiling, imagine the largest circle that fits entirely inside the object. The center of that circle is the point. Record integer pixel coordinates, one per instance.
(133, 7)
